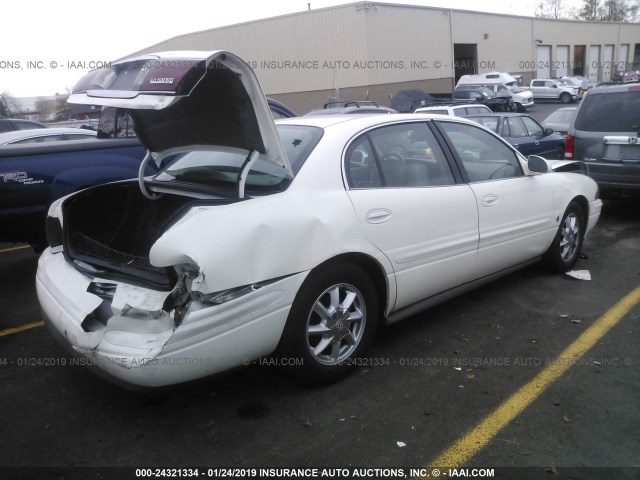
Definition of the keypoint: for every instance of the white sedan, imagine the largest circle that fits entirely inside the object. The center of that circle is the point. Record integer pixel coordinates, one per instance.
(297, 239)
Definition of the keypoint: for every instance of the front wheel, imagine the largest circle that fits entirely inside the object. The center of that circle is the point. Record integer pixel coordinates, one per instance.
(565, 98)
(565, 249)
(331, 324)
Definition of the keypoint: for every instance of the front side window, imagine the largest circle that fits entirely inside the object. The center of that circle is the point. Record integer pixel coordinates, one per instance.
(483, 156)
(533, 127)
(404, 155)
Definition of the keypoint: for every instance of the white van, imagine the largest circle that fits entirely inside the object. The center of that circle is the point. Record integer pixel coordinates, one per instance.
(502, 84)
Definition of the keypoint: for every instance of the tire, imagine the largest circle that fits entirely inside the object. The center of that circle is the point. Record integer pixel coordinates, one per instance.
(567, 244)
(331, 324)
(565, 98)
(519, 107)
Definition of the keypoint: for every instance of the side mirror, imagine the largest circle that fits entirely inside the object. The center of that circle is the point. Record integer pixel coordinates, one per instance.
(548, 131)
(537, 164)
(554, 86)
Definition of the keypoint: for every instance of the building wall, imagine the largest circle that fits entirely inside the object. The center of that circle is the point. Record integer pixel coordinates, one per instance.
(370, 50)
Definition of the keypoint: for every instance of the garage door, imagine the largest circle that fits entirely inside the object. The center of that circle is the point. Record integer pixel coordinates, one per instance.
(594, 63)
(562, 57)
(607, 63)
(544, 62)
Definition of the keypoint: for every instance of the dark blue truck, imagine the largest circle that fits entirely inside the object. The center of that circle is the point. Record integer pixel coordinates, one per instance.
(31, 177)
(34, 175)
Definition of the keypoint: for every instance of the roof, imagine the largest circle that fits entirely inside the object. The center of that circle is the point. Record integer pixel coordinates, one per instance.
(363, 121)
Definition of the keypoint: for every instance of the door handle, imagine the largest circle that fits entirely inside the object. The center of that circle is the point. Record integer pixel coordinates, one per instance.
(489, 200)
(378, 215)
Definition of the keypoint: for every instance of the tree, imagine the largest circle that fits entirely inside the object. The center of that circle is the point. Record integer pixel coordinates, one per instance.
(8, 105)
(610, 10)
(551, 9)
(589, 10)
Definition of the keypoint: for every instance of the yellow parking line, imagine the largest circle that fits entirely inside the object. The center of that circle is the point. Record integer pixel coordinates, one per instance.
(12, 249)
(480, 436)
(22, 328)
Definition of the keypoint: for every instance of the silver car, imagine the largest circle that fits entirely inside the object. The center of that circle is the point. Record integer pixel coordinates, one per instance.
(604, 134)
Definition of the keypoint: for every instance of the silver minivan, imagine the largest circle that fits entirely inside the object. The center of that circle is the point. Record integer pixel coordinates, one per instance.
(604, 134)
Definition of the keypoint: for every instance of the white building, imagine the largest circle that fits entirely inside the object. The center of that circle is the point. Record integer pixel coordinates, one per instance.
(370, 50)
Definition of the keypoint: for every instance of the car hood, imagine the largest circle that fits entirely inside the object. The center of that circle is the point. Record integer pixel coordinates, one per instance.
(183, 100)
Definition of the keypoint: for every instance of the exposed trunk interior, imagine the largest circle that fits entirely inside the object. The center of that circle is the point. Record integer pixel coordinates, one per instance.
(112, 228)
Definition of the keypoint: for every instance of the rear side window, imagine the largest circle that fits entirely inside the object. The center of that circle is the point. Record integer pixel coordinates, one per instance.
(4, 126)
(516, 127)
(406, 155)
(610, 112)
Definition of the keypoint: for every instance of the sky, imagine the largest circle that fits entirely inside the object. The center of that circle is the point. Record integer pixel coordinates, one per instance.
(47, 46)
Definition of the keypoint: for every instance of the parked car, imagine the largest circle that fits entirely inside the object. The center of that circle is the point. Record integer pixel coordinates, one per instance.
(578, 81)
(552, 89)
(297, 238)
(351, 106)
(279, 109)
(12, 124)
(630, 76)
(524, 133)
(559, 120)
(484, 96)
(45, 135)
(456, 110)
(406, 101)
(502, 84)
(604, 134)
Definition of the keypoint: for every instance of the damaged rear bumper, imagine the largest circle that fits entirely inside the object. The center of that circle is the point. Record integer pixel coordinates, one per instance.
(142, 346)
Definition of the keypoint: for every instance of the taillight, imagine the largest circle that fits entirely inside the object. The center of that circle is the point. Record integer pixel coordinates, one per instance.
(568, 148)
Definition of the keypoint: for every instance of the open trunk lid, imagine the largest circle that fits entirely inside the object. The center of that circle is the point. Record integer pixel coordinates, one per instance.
(183, 100)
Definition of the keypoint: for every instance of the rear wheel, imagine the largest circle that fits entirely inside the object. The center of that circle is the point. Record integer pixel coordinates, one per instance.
(565, 249)
(331, 324)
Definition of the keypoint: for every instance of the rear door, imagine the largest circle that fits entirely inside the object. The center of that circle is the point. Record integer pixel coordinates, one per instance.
(411, 205)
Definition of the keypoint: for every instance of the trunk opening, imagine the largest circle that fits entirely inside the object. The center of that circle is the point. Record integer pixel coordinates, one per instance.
(110, 229)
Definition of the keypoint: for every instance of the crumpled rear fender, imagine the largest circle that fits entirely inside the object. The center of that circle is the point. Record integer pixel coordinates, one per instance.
(261, 238)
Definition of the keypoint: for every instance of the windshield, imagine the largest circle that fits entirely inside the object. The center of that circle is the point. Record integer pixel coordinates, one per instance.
(219, 169)
(515, 88)
(486, 91)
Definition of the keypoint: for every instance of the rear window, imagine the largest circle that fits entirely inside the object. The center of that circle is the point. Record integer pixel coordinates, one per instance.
(610, 112)
(220, 169)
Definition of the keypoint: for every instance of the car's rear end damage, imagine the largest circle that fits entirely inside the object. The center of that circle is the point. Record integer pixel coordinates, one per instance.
(143, 306)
